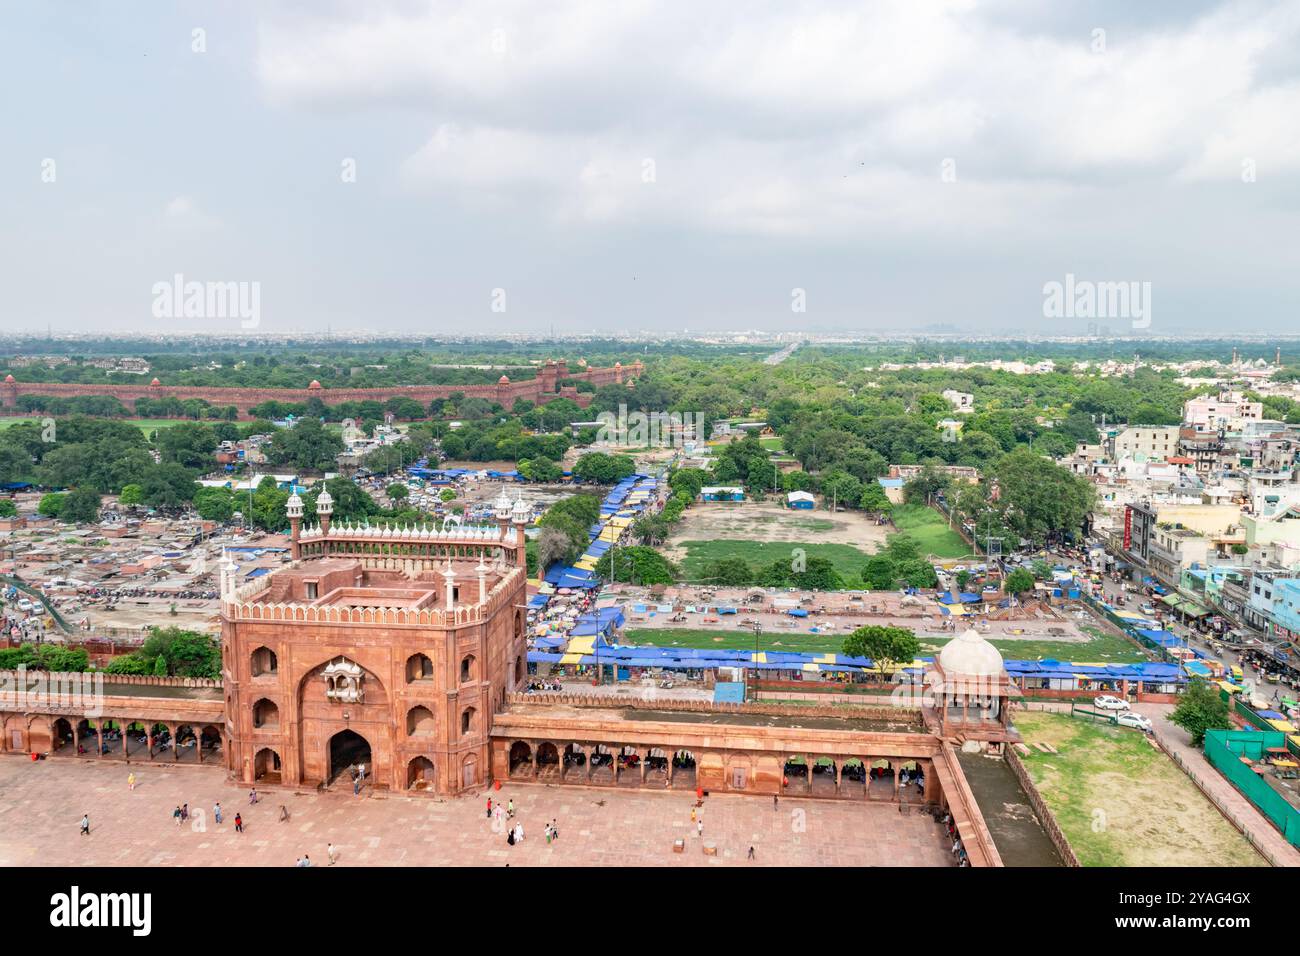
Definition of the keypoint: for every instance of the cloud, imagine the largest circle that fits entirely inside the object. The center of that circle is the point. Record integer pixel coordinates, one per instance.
(780, 118)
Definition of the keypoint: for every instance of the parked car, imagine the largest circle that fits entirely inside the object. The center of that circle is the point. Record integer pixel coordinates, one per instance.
(1107, 702)
(1136, 721)
(1148, 609)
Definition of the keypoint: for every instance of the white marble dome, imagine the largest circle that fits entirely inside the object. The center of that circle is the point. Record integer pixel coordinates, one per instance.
(971, 655)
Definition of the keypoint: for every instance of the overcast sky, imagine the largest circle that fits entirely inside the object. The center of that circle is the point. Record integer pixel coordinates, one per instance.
(635, 165)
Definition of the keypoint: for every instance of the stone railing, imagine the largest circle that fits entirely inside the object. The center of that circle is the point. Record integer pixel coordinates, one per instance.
(464, 614)
(456, 534)
(638, 702)
(1054, 831)
(15, 678)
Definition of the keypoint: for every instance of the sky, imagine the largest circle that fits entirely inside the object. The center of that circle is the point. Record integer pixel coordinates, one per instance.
(481, 167)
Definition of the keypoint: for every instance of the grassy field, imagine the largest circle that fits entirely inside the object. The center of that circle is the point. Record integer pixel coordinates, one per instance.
(145, 424)
(931, 533)
(847, 559)
(1103, 648)
(804, 643)
(1121, 802)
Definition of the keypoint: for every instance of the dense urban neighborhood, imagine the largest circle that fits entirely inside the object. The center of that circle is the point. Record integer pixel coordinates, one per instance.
(1077, 552)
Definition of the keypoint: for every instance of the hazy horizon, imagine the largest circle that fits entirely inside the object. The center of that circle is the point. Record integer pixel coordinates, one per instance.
(512, 168)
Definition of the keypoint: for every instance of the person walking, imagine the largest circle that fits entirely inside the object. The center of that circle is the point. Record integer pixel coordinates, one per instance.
(185, 811)
(176, 815)
(489, 808)
(216, 811)
(330, 851)
(284, 813)
(555, 830)
(85, 824)
(130, 780)
(239, 823)
(252, 796)
(751, 853)
(510, 808)
(775, 802)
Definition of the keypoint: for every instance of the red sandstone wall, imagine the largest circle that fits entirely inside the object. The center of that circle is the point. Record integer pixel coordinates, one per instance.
(541, 389)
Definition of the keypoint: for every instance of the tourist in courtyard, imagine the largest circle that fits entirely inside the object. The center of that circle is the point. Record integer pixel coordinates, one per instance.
(176, 815)
(751, 853)
(284, 813)
(239, 823)
(216, 811)
(185, 811)
(130, 780)
(330, 851)
(85, 824)
(489, 808)
(555, 831)
(252, 796)
(699, 828)
(510, 808)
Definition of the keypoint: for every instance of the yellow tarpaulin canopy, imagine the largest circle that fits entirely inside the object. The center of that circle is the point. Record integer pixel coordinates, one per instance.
(581, 645)
(571, 659)
(811, 667)
(1283, 725)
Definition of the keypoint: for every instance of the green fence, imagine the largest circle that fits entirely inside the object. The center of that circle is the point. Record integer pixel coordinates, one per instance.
(1225, 748)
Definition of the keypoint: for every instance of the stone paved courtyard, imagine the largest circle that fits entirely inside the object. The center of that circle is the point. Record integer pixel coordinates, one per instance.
(42, 802)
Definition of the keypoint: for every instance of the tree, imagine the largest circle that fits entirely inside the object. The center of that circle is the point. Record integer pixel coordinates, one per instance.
(918, 573)
(81, 506)
(874, 499)
(1037, 498)
(214, 504)
(963, 578)
(131, 496)
(728, 572)
(886, 646)
(51, 505)
(540, 469)
(553, 545)
(1018, 582)
(7, 508)
(169, 485)
(636, 565)
(309, 445)
(190, 444)
(879, 573)
(603, 469)
(1201, 708)
(160, 666)
(398, 492)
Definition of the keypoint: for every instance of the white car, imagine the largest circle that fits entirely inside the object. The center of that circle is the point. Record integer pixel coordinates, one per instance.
(1106, 702)
(1136, 721)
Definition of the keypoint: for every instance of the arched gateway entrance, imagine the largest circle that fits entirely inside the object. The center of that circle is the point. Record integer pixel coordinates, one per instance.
(347, 749)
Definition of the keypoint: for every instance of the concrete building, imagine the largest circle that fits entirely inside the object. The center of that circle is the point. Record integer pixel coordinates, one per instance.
(1143, 443)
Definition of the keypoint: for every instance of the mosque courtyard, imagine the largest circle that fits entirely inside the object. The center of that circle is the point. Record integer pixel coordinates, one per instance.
(46, 799)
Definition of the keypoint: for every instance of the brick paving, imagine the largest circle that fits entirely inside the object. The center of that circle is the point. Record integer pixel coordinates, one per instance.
(43, 802)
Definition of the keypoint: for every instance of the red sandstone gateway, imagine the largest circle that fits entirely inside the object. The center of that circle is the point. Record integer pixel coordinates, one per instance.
(378, 656)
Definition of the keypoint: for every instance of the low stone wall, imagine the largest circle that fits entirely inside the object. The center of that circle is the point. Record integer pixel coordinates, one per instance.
(1054, 832)
(711, 707)
(12, 676)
